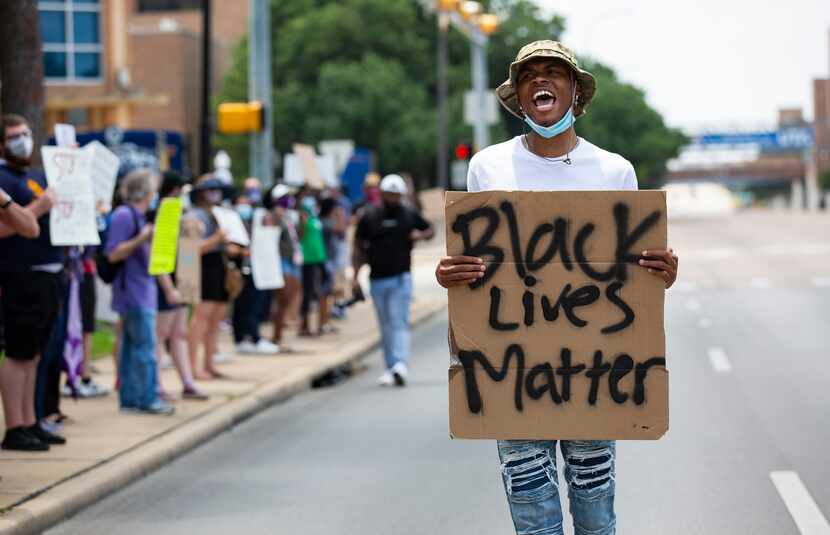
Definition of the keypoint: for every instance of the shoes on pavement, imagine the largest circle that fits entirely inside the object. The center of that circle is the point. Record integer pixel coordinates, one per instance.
(20, 439)
(245, 347)
(219, 358)
(159, 408)
(399, 373)
(85, 389)
(386, 379)
(194, 393)
(53, 426)
(264, 347)
(45, 436)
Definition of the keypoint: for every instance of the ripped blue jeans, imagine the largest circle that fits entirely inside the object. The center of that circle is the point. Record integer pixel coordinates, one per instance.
(530, 480)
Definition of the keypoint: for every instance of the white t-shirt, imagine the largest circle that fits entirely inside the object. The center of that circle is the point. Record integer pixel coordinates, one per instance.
(510, 166)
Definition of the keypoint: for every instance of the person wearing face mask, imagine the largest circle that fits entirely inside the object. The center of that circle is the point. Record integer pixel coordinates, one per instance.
(281, 203)
(30, 284)
(314, 266)
(209, 313)
(171, 322)
(250, 303)
(384, 239)
(548, 91)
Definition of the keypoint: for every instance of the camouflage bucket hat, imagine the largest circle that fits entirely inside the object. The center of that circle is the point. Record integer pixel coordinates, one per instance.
(506, 92)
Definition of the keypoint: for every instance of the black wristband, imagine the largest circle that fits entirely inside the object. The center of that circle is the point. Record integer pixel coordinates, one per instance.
(7, 203)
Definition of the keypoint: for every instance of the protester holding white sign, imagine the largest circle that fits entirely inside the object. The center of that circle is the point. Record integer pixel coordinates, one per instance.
(30, 281)
(73, 221)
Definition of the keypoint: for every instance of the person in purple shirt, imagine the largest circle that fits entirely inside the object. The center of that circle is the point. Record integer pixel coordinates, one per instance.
(134, 295)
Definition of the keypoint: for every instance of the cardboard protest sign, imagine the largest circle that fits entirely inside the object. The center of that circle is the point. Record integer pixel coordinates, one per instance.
(72, 221)
(165, 237)
(104, 168)
(308, 159)
(232, 224)
(266, 266)
(189, 265)
(562, 338)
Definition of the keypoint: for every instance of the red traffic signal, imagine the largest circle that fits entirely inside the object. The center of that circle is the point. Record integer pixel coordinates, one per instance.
(463, 151)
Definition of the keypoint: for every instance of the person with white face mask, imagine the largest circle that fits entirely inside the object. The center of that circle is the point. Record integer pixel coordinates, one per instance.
(30, 285)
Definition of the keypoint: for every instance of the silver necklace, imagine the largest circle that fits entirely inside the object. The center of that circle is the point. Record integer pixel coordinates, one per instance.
(566, 160)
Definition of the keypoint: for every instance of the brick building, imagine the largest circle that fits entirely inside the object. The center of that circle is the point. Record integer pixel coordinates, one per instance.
(133, 63)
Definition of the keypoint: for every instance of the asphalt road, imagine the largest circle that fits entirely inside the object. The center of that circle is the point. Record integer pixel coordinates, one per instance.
(748, 338)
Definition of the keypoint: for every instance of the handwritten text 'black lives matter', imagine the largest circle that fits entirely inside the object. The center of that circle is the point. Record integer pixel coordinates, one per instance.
(549, 240)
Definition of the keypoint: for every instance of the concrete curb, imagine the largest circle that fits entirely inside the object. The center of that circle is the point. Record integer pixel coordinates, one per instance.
(71, 495)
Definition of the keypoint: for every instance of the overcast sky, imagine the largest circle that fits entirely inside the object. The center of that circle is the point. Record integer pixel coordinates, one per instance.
(708, 62)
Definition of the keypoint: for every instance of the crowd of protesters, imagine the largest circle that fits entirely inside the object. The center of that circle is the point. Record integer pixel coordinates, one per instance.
(48, 293)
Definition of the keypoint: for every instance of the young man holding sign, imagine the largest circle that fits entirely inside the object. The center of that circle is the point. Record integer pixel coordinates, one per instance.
(547, 89)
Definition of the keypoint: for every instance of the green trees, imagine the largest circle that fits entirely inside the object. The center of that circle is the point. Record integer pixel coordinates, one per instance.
(365, 70)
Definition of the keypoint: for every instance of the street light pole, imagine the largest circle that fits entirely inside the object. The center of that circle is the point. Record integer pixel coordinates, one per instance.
(205, 131)
(478, 61)
(443, 120)
(259, 88)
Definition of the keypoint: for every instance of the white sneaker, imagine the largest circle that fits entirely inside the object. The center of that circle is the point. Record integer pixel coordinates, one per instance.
(92, 390)
(264, 347)
(219, 358)
(245, 347)
(399, 373)
(386, 379)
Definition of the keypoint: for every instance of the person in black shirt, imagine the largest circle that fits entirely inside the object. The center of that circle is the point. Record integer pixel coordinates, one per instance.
(384, 239)
(29, 288)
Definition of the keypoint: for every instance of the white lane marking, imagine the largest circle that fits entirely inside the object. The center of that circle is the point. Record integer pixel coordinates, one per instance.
(761, 283)
(802, 507)
(693, 304)
(704, 323)
(821, 282)
(719, 360)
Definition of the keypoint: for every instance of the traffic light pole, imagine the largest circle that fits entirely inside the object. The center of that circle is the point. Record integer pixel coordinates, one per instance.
(443, 122)
(259, 88)
(478, 61)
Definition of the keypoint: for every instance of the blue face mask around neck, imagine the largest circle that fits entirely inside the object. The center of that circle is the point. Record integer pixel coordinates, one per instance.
(555, 129)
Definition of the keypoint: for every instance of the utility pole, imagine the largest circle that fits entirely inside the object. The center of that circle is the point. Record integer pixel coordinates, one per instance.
(443, 119)
(206, 129)
(259, 88)
(478, 62)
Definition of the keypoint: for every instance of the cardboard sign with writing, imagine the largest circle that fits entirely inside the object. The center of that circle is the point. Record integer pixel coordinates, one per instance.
(562, 338)
(189, 269)
(72, 220)
(165, 237)
(308, 159)
(230, 221)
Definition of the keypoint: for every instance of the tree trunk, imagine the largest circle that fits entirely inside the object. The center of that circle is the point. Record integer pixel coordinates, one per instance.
(21, 65)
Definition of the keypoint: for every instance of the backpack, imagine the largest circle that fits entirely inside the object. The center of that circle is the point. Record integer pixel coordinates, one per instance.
(108, 271)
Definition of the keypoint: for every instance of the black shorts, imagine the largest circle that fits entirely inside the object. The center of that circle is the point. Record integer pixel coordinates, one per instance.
(213, 278)
(88, 302)
(30, 301)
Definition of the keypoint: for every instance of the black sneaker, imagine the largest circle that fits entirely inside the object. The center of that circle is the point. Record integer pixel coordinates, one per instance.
(20, 439)
(45, 436)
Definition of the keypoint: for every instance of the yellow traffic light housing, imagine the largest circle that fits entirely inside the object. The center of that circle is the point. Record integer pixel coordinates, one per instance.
(447, 5)
(488, 23)
(240, 117)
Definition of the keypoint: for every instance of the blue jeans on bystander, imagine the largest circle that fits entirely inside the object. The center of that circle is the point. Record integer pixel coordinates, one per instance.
(392, 297)
(532, 486)
(137, 368)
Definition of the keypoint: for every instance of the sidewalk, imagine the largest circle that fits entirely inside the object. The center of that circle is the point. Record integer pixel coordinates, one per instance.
(107, 450)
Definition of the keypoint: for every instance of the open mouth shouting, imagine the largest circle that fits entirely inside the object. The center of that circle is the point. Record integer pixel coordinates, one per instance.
(544, 100)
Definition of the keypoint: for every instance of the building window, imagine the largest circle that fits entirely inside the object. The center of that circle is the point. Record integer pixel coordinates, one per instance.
(71, 32)
(169, 5)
